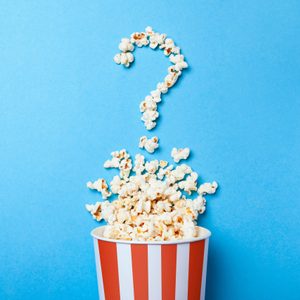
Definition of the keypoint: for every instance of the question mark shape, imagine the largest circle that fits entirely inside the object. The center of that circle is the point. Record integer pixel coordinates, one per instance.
(148, 106)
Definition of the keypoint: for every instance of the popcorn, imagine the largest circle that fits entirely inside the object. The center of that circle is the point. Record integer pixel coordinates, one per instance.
(140, 39)
(101, 186)
(151, 166)
(124, 58)
(178, 61)
(148, 106)
(150, 205)
(179, 154)
(208, 188)
(149, 144)
(113, 163)
(139, 164)
(169, 47)
(126, 45)
(190, 184)
(156, 39)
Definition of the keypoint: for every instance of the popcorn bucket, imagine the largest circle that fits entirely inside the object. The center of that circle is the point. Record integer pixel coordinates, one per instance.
(133, 270)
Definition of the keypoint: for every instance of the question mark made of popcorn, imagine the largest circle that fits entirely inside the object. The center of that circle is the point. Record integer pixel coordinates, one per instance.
(148, 106)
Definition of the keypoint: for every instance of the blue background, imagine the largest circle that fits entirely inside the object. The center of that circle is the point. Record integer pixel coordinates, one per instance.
(65, 106)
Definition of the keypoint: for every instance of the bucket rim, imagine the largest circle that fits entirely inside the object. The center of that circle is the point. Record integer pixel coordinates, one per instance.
(203, 234)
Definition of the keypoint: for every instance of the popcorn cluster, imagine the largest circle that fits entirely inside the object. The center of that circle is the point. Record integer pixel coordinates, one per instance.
(148, 106)
(151, 204)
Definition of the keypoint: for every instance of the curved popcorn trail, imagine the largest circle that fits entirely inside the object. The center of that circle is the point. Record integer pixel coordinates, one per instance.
(148, 106)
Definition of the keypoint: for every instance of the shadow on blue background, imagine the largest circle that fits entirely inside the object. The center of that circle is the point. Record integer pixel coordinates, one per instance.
(65, 106)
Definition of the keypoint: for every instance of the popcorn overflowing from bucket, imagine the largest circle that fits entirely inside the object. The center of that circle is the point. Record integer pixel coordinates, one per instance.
(150, 204)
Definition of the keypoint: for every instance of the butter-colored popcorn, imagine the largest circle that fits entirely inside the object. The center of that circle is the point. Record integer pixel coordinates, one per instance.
(169, 47)
(150, 145)
(139, 38)
(95, 210)
(208, 188)
(180, 153)
(101, 186)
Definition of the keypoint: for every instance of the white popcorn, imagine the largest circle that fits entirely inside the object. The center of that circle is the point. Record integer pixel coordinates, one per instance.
(154, 39)
(179, 154)
(116, 184)
(126, 45)
(148, 104)
(149, 144)
(190, 184)
(150, 124)
(162, 87)
(139, 164)
(156, 95)
(101, 186)
(152, 166)
(150, 115)
(208, 188)
(124, 58)
(178, 61)
(113, 163)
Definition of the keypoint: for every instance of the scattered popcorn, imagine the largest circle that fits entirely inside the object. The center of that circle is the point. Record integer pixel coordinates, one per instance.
(101, 186)
(179, 154)
(154, 39)
(150, 204)
(149, 144)
(208, 188)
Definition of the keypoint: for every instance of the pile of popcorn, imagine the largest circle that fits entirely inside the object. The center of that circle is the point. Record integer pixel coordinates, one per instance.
(150, 202)
(148, 106)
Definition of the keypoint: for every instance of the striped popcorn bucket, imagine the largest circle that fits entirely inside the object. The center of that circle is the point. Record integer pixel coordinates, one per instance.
(131, 270)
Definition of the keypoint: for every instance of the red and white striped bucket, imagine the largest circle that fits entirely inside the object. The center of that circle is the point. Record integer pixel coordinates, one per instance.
(131, 270)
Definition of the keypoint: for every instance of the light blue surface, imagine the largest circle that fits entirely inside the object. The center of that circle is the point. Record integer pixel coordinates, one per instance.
(65, 106)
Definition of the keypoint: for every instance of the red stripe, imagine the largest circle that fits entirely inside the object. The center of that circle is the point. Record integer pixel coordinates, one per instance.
(168, 269)
(139, 255)
(109, 266)
(195, 269)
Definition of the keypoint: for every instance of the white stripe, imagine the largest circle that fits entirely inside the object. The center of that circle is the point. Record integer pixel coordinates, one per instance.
(204, 270)
(99, 271)
(154, 272)
(125, 271)
(182, 271)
